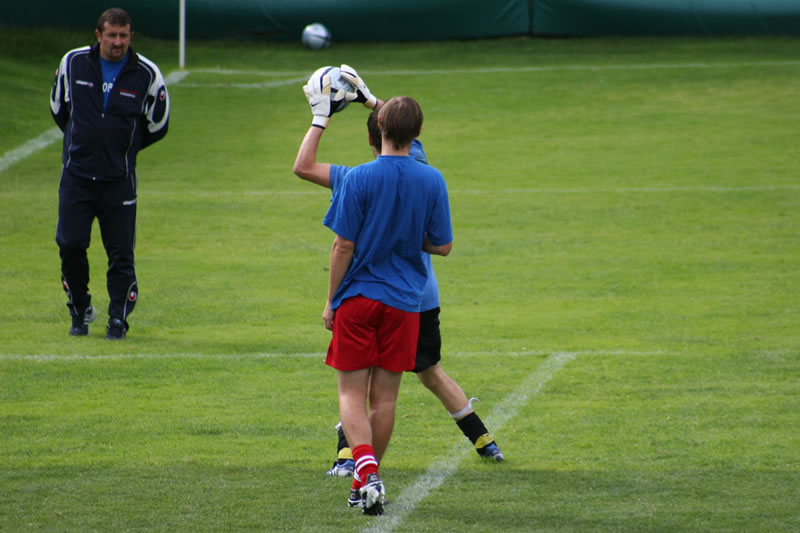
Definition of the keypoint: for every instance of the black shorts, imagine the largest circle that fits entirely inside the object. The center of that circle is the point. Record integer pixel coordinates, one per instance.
(429, 345)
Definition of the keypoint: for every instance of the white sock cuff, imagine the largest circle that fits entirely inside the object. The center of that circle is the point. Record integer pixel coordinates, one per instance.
(365, 460)
(463, 412)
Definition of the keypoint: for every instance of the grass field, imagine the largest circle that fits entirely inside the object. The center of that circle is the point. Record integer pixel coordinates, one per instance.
(622, 296)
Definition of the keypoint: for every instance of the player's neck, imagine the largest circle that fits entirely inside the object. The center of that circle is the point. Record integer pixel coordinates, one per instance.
(389, 149)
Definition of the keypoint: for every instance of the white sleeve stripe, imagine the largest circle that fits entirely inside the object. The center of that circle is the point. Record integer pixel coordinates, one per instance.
(154, 90)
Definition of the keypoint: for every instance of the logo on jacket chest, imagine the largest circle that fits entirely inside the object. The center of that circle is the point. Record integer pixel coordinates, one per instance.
(84, 83)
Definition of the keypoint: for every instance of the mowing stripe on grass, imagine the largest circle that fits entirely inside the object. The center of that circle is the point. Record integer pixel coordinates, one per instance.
(438, 472)
(54, 134)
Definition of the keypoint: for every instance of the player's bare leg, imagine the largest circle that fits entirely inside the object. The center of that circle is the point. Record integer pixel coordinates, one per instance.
(353, 388)
(460, 408)
(383, 390)
(444, 387)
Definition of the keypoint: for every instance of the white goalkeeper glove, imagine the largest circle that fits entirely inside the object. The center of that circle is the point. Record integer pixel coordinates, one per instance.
(318, 94)
(361, 93)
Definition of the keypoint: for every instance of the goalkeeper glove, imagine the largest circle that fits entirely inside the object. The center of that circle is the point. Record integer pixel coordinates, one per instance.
(361, 93)
(318, 94)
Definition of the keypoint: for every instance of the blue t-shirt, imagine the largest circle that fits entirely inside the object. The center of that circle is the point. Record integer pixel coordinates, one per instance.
(430, 294)
(111, 70)
(387, 207)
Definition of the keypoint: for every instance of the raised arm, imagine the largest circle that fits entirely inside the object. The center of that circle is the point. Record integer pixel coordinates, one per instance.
(306, 165)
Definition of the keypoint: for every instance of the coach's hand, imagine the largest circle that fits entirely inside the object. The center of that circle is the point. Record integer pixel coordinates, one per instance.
(361, 93)
(318, 94)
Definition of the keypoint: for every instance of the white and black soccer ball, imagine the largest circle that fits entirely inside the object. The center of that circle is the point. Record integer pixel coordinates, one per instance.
(316, 36)
(339, 85)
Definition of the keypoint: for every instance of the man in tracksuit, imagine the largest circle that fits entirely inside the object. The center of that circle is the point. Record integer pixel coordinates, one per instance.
(110, 103)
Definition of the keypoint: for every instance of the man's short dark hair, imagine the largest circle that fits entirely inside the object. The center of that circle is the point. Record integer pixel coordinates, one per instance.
(115, 17)
(373, 130)
(401, 120)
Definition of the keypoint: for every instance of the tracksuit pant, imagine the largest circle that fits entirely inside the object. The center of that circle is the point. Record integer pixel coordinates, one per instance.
(113, 203)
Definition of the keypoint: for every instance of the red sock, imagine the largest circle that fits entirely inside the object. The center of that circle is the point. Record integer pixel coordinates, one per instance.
(366, 463)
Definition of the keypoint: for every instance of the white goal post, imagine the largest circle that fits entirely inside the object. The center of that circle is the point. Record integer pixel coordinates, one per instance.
(182, 34)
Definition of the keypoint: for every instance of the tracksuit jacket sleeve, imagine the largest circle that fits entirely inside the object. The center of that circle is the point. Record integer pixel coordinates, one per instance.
(59, 96)
(156, 114)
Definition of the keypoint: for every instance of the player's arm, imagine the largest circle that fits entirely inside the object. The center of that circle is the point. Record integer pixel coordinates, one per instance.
(306, 165)
(440, 229)
(341, 256)
(430, 248)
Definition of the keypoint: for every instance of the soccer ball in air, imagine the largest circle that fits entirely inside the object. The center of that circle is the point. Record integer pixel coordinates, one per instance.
(316, 36)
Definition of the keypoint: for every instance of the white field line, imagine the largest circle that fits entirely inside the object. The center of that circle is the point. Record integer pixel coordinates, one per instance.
(453, 191)
(44, 358)
(625, 190)
(256, 85)
(54, 134)
(438, 472)
(34, 145)
(585, 68)
(175, 77)
(529, 68)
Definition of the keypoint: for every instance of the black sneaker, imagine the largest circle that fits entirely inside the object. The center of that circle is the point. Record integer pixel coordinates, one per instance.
(116, 329)
(355, 498)
(373, 494)
(80, 322)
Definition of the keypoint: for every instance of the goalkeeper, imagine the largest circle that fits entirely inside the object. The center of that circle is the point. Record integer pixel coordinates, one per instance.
(428, 366)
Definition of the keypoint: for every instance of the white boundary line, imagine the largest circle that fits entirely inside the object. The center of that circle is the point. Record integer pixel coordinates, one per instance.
(439, 471)
(175, 77)
(259, 85)
(531, 68)
(34, 145)
(44, 358)
(616, 190)
(624, 190)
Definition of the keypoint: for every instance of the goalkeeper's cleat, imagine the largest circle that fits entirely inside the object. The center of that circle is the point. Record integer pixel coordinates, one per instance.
(492, 452)
(373, 494)
(355, 498)
(81, 321)
(344, 469)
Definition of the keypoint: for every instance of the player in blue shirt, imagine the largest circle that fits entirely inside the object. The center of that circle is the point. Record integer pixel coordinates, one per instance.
(384, 214)
(428, 367)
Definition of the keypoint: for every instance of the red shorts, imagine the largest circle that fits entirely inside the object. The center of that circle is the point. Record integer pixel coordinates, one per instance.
(368, 333)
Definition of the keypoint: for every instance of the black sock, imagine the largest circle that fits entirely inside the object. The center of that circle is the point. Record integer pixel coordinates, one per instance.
(343, 445)
(472, 426)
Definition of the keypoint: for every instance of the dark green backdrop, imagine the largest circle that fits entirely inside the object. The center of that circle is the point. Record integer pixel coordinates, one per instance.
(399, 20)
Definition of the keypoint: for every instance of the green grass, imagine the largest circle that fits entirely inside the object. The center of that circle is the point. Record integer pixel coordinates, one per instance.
(632, 203)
